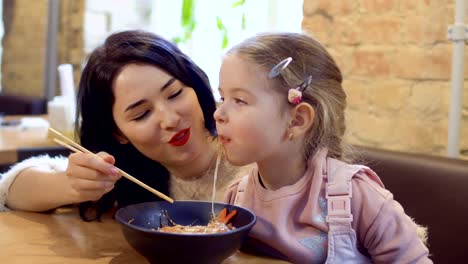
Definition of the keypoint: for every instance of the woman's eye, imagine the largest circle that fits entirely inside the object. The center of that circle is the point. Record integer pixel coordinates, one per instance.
(141, 116)
(176, 94)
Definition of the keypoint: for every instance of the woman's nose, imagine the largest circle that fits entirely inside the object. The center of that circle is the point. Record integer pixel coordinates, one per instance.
(168, 118)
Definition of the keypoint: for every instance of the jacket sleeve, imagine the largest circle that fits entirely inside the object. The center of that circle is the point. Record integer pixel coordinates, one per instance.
(382, 227)
(46, 163)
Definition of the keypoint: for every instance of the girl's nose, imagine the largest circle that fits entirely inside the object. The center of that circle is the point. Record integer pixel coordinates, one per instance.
(219, 115)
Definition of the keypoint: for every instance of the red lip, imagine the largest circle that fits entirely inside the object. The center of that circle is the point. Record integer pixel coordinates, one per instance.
(224, 140)
(180, 138)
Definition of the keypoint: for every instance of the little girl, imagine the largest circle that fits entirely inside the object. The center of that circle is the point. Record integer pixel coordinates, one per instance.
(283, 108)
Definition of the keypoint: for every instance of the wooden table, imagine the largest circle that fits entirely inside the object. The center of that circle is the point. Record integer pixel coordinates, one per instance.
(13, 138)
(62, 237)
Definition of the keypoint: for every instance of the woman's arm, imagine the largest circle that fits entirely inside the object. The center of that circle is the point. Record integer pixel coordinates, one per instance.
(44, 183)
(14, 184)
(35, 189)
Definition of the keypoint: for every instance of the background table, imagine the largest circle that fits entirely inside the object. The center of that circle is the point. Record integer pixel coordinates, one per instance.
(17, 144)
(62, 237)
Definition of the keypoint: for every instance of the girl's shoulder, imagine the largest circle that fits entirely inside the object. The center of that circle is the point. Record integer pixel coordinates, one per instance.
(368, 181)
(239, 183)
(238, 186)
(359, 175)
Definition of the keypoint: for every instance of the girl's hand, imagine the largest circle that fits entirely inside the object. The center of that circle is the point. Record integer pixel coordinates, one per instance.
(91, 177)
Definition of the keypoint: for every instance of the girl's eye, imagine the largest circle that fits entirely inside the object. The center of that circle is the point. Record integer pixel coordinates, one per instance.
(141, 116)
(176, 94)
(239, 101)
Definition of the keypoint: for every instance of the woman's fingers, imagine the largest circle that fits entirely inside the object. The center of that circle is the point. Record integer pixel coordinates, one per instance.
(80, 172)
(80, 165)
(93, 195)
(90, 176)
(91, 189)
(106, 157)
(83, 184)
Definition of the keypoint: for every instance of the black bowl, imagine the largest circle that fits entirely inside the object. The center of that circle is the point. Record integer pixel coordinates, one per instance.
(139, 221)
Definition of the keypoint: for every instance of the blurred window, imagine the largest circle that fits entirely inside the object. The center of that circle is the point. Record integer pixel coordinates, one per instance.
(205, 46)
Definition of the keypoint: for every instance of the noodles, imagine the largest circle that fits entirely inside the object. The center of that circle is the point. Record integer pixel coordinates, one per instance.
(219, 224)
(213, 227)
(215, 178)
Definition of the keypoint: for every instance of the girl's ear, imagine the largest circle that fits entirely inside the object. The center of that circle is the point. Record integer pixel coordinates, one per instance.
(120, 137)
(302, 118)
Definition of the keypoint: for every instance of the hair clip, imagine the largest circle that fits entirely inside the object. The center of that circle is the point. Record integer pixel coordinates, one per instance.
(278, 68)
(295, 94)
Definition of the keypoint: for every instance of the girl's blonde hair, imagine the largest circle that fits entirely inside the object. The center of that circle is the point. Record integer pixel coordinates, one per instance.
(325, 93)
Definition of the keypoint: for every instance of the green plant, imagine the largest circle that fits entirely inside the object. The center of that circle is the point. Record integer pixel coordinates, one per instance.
(188, 22)
(240, 3)
(223, 29)
(224, 32)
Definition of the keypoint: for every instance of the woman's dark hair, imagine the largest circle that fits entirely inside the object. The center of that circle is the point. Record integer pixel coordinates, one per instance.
(95, 125)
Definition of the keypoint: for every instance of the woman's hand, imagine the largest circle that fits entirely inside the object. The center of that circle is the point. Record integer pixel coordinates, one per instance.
(91, 177)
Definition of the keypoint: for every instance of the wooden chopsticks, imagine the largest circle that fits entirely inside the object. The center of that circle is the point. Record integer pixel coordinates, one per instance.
(75, 147)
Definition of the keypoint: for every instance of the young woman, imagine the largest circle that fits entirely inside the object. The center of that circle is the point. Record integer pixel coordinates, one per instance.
(283, 108)
(148, 110)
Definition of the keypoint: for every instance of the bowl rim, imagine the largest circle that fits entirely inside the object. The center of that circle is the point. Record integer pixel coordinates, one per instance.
(148, 231)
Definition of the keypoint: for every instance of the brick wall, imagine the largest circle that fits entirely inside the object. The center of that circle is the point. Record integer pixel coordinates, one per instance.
(24, 43)
(396, 62)
(23, 46)
(71, 36)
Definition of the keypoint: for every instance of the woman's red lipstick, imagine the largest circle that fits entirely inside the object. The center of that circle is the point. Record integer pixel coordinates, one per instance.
(180, 138)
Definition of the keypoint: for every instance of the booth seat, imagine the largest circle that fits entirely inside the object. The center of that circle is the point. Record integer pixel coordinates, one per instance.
(22, 105)
(434, 191)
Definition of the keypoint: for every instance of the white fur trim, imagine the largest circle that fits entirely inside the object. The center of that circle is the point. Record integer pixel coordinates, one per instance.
(45, 162)
(422, 232)
(201, 188)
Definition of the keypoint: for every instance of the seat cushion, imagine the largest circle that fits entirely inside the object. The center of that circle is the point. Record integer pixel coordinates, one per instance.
(22, 105)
